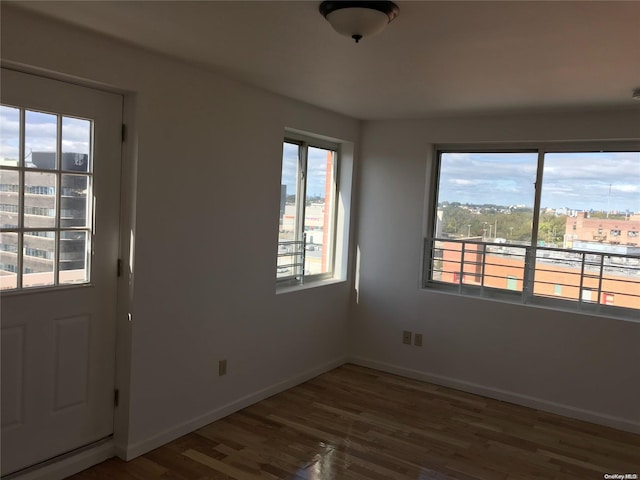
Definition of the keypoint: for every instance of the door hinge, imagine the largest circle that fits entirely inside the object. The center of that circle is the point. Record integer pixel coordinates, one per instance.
(119, 267)
(116, 397)
(124, 132)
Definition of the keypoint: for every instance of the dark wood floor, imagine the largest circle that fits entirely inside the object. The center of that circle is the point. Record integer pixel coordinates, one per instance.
(357, 423)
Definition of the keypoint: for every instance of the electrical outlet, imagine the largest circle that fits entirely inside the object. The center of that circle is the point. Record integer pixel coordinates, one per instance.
(222, 367)
(406, 337)
(417, 340)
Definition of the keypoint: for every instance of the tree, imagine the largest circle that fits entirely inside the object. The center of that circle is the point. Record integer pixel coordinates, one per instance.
(551, 227)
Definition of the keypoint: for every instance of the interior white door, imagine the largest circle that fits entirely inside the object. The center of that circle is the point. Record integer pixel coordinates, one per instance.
(59, 214)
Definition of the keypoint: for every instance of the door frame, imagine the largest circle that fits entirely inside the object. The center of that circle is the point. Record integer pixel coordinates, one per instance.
(73, 462)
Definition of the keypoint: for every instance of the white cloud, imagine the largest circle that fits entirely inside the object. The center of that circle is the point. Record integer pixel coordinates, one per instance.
(597, 180)
(626, 188)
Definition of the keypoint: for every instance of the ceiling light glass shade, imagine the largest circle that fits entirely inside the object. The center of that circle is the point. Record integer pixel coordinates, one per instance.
(361, 22)
(359, 19)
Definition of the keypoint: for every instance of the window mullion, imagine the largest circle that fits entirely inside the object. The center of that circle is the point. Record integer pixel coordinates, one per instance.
(58, 208)
(21, 169)
(333, 202)
(302, 196)
(530, 262)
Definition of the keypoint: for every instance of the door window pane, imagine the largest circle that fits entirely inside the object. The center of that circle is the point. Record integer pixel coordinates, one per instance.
(76, 140)
(40, 199)
(73, 201)
(38, 259)
(40, 140)
(9, 198)
(73, 257)
(9, 136)
(8, 260)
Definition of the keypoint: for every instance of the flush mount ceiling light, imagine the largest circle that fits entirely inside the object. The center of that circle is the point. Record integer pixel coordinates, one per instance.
(358, 19)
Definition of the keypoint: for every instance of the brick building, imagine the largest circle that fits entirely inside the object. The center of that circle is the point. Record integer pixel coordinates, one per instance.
(600, 230)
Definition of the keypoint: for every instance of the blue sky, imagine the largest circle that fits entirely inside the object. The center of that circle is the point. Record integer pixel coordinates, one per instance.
(40, 133)
(581, 181)
(316, 174)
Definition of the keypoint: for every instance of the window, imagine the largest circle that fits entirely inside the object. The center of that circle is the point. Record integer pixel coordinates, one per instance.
(495, 235)
(45, 199)
(308, 190)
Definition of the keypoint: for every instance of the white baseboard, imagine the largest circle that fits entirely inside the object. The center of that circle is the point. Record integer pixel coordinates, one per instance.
(67, 465)
(140, 448)
(505, 395)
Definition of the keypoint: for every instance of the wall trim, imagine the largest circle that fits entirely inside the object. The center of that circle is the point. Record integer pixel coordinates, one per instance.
(504, 395)
(140, 448)
(67, 465)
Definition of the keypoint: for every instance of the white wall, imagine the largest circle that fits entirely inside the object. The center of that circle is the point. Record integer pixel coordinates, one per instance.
(575, 364)
(207, 155)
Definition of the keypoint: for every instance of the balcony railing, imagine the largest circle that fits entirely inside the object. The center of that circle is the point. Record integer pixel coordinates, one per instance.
(290, 260)
(592, 281)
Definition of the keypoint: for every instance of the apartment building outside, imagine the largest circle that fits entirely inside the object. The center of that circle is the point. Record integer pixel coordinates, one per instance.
(40, 234)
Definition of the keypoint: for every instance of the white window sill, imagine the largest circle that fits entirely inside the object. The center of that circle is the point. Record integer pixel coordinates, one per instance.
(287, 288)
(623, 314)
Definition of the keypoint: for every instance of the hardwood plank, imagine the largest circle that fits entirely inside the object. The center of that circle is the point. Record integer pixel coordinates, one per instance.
(355, 423)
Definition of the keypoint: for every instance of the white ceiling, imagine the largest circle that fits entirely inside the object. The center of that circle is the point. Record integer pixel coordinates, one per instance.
(436, 58)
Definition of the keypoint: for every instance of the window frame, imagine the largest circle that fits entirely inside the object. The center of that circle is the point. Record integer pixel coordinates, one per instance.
(526, 296)
(304, 142)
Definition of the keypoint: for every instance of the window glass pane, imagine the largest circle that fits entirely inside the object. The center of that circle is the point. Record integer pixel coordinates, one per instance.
(288, 191)
(289, 252)
(40, 200)
(318, 218)
(73, 201)
(73, 257)
(8, 260)
(38, 259)
(9, 198)
(589, 199)
(486, 196)
(9, 136)
(590, 202)
(76, 142)
(40, 142)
